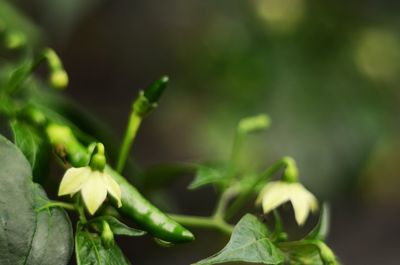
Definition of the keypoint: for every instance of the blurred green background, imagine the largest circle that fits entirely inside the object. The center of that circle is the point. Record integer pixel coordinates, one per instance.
(327, 72)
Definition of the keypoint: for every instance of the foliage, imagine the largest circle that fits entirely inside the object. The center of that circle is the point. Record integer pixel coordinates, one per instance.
(250, 242)
(36, 230)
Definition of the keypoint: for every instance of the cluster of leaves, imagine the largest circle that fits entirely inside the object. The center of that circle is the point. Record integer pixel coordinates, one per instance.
(31, 232)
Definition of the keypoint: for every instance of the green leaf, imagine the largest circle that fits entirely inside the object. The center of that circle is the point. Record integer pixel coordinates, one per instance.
(19, 75)
(309, 252)
(321, 230)
(27, 236)
(209, 175)
(249, 243)
(90, 251)
(117, 227)
(27, 140)
(35, 149)
(304, 255)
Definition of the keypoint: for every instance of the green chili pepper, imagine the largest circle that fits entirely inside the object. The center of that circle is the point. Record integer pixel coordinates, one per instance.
(134, 205)
(155, 90)
(149, 217)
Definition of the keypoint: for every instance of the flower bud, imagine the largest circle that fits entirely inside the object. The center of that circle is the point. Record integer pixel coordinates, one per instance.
(107, 236)
(59, 79)
(254, 124)
(35, 116)
(15, 40)
(291, 173)
(147, 99)
(98, 161)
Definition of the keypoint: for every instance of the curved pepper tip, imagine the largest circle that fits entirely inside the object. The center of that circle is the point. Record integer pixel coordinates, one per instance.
(188, 235)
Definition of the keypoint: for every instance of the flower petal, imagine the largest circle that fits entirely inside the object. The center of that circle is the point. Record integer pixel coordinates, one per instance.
(274, 194)
(73, 180)
(94, 191)
(113, 188)
(303, 201)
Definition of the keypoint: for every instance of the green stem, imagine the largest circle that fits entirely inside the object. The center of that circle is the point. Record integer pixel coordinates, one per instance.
(47, 54)
(79, 206)
(223, 201)
(203, 222)
(245, 195)
(235, 153)
(130, 134)
(292, 244)
(67, 206)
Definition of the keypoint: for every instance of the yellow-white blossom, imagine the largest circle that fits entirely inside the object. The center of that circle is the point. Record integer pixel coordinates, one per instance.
(276, 193)
(93, 184)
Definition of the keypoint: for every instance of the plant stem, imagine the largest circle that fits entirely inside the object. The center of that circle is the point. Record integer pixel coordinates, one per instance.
(245, 195)
(203, 222)
(291, 244)
(47, 54)
(79, 206)
(235, 153)
(67, 206)
(130, 134)
(223, 201)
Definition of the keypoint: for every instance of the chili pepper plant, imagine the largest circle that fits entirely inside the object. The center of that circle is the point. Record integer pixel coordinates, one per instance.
(95, 185)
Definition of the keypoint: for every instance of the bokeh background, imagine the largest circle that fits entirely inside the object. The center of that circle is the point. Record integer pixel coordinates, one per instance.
(327, 73)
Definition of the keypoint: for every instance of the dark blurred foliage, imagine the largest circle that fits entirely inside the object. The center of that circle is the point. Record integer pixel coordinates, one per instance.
(327, 72)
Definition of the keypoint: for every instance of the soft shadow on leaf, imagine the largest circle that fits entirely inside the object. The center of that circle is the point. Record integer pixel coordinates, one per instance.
(249, 243)
(28, 237)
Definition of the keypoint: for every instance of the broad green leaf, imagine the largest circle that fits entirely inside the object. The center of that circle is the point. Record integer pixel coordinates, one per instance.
(321, 230)
(52, 242)
(117, 227)
(91, 251)
(209, 175)
(28, 236)
(249, 243)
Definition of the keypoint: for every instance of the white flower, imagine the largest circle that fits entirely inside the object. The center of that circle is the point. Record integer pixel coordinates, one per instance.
(276, 193)
(93, 185)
